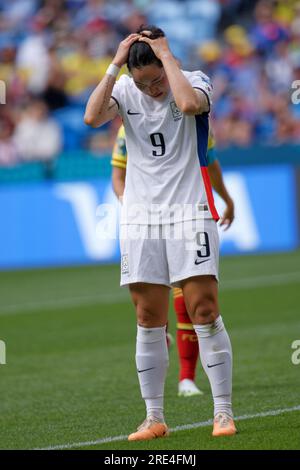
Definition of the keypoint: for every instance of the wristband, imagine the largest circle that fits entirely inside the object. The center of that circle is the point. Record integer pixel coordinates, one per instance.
(113, 70)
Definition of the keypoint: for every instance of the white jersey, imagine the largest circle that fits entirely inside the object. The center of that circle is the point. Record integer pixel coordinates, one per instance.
(166, 175)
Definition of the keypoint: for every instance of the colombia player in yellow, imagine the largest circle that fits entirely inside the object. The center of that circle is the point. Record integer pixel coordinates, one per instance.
(187, 343)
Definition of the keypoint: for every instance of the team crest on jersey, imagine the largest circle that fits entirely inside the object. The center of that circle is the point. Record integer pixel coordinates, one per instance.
(176, 113)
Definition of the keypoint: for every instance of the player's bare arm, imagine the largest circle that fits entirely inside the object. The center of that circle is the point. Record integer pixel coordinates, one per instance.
(118, 181)
(216, 177)
(188, 99)
(101, 107)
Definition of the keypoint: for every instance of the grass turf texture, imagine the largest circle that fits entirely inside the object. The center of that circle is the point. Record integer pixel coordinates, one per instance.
(70, 374)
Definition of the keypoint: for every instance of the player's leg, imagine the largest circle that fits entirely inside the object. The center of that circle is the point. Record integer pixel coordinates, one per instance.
(201, 297)
(144, 269)
(194, 268)
(187, 347)
(151, 303)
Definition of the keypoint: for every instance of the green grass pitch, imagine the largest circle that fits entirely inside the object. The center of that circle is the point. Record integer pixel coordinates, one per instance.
(70, 374)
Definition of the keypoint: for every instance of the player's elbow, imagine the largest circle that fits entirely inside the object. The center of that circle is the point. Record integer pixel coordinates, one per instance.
(189, 107)
(90, 120)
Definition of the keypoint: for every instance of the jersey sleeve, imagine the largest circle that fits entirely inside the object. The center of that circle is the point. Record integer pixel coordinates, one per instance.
(119, 154)
(211, 151)
(202, 82)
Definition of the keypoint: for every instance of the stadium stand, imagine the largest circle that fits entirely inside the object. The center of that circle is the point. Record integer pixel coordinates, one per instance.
(57, 51)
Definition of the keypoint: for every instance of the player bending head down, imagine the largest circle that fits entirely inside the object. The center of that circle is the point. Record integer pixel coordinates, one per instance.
(145, 67)
(165, 111)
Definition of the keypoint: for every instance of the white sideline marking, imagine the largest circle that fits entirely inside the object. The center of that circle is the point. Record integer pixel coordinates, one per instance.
(182, 427)
(260, 281)
(122, 295)
(67, 302)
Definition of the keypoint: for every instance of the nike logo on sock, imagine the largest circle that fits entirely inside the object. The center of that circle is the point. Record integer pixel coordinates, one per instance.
(214, 365)
(144, 370)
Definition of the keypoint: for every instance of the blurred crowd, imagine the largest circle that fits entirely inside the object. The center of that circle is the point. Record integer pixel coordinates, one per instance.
(253, 69)
(54, 52)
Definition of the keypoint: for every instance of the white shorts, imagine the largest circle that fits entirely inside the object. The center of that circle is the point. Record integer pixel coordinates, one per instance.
(168, 254)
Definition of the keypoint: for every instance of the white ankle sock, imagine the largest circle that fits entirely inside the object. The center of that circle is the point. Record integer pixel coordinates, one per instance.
(216, 359)
(152, 360)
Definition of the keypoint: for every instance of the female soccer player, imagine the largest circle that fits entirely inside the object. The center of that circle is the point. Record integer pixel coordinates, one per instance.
(169, 235)
(186, 338)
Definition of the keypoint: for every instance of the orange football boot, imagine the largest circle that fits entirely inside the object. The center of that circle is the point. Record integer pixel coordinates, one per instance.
(151, 428)
(223, 425)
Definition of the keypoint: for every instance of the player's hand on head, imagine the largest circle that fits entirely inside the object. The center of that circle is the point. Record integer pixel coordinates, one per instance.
(122, 53)
(159, 45)
(228, 216)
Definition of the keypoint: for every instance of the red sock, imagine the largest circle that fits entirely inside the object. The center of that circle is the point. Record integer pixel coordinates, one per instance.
(187, 341)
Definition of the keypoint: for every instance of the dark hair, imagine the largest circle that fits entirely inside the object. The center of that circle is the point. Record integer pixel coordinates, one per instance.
(140, 53)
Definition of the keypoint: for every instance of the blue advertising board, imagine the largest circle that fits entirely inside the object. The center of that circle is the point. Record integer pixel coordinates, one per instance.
(265, 209)
(62, 223)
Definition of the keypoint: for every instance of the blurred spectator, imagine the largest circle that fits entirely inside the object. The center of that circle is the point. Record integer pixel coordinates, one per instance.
(36, 136)
(8, 150)
(15, 13)
(33, 62)
(287, 127)
(266, 32)
(82, 70)
(54, 93)
(15, 85)
(279, 67)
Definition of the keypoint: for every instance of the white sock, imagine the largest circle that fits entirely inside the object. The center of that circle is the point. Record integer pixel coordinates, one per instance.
(216, 359)
(152, 360)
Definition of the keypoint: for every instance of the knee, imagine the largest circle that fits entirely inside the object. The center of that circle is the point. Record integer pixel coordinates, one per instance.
(151, 304)
(145, 316)
(204, 310)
